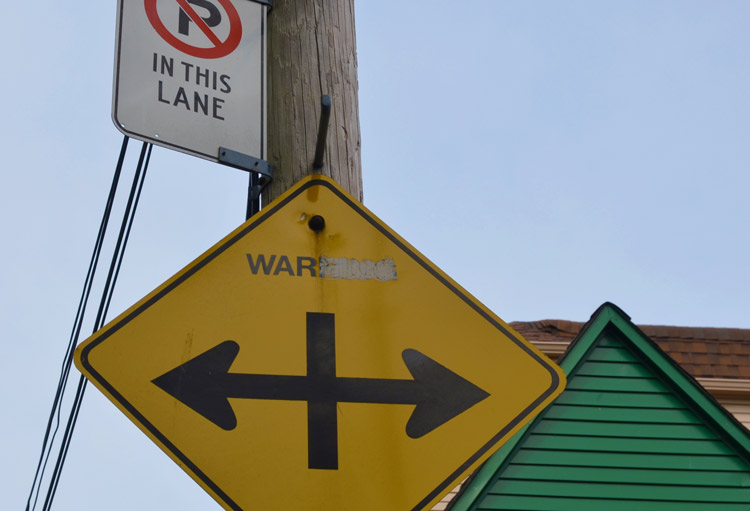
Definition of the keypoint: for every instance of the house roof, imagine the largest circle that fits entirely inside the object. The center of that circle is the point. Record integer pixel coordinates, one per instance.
(703, 352)
(632, 430)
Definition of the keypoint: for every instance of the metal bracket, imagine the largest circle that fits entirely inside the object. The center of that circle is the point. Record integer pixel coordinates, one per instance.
(267, 3)
(250, 163)
(325, 116)
(245, 162)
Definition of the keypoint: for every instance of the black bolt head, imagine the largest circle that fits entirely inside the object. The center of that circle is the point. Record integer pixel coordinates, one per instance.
(317, 223)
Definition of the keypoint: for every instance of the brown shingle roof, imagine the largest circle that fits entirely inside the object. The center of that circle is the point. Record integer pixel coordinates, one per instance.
(703, 352)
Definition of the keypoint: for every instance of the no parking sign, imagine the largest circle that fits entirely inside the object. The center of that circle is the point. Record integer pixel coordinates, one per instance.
(190, 75)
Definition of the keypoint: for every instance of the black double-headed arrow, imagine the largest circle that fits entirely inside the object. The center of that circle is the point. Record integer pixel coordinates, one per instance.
(205, 384)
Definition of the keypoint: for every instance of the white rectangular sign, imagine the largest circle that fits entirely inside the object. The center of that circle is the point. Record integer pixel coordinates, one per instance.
(191, 75)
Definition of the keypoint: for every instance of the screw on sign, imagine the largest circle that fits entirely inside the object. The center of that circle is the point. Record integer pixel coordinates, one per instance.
(187, 15)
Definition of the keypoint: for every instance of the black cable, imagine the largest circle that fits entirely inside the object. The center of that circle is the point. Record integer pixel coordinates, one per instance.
(65, 443)
(128, 218)
(54, 417)
(147, 150)
(107, 293)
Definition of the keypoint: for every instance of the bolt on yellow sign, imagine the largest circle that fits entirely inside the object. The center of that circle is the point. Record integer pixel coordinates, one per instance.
(314, 360)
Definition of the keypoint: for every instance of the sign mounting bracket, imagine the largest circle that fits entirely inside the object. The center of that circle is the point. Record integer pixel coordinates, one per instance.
(267, 3)
(251, 164)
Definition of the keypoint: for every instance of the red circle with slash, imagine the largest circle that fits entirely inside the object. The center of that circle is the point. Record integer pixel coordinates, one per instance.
(219, 49)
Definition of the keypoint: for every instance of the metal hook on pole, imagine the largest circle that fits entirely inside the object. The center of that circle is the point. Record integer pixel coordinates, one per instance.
(320, 147)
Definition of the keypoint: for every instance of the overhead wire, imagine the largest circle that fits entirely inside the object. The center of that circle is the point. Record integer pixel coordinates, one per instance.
(107, 293)
(53, 422)
(54, 417)
(145, 154)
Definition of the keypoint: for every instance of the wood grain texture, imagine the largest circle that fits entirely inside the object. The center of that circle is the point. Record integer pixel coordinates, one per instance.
(312, 52)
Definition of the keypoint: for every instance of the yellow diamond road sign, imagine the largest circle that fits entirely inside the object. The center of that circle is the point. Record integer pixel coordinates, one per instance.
(314, 360)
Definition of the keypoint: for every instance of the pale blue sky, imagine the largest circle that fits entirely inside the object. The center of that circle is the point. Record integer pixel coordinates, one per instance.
(548, 155)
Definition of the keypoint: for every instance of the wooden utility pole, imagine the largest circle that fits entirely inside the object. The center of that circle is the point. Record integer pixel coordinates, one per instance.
(312, 52)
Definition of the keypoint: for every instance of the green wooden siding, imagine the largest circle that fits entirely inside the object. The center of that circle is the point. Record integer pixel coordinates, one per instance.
(541, 503)
(623, 436)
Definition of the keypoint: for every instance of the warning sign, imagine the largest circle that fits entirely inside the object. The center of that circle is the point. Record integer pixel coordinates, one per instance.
(190, 75)
(325, 366)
